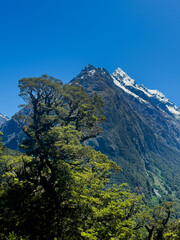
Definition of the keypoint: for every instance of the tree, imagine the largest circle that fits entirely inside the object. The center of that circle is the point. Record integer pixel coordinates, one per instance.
(173, 232)
(157, 223)
(116, 214)
(48, 181)
(52, 104)
(1, 145)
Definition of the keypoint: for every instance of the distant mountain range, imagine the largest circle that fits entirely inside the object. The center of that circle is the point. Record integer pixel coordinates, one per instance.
(3, 119)
(141, 133)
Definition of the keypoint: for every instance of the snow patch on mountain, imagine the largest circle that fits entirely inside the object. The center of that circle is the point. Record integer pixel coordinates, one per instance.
(91, 72)
(120, 75)
(173, 109)
(117, 83)
(160, 96)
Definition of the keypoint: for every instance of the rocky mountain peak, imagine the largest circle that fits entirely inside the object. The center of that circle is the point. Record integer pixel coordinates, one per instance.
(89, 67)
(93, 75)
(122, 77)
(90, 70)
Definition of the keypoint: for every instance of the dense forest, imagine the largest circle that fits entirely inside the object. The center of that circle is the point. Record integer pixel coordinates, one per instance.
(58, 187)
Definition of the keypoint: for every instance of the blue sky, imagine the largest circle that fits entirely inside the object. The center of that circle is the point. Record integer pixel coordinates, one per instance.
(61, 37)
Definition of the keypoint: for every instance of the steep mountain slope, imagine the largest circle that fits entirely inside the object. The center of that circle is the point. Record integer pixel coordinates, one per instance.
(151, 164)
(155, 109)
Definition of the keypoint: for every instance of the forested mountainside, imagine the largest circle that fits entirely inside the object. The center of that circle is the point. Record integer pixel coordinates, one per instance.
(141, 133)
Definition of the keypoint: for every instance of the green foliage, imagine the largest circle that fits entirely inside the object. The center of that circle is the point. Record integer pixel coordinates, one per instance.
(53, 195)
(116, 214)
(158, 221)
(13, 236)
(1, 145)
(8, 151)
(52, 104)
(173, 232)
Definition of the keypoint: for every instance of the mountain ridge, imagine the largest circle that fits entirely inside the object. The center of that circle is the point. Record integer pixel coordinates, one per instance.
(121, 79)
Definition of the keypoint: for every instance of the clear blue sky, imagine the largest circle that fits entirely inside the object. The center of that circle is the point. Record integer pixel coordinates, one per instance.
(60, 37)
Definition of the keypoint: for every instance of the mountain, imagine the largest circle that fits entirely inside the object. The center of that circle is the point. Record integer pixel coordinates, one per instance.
(141, 133)
(3, 119)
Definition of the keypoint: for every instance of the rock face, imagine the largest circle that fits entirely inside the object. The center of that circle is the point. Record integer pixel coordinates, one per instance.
(141, 132)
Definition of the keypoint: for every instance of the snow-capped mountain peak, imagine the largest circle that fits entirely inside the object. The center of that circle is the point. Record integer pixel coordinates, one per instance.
(140, 92)
(122, 77)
